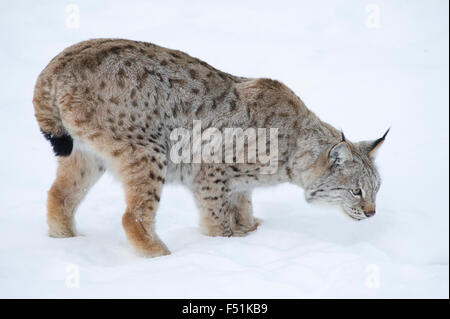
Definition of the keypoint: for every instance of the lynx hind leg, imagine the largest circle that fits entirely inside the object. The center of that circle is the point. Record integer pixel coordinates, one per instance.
(243, 220)
(76, 174)
(131, 152)
(142, 173)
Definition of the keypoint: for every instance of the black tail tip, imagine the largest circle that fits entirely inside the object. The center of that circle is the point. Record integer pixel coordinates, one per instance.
(62, 145)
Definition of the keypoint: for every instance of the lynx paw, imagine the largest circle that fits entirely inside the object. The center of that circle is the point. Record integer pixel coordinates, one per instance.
(242, 230)
(152, 250)
(216, 231)
(60, 231)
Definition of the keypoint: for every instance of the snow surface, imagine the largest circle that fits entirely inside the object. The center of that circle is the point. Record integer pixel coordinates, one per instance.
(357, 77)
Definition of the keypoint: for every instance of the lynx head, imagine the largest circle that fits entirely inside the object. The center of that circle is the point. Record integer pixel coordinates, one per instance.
(346, 176)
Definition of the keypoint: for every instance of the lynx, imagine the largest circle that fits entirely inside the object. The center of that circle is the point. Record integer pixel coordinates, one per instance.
(111, 104)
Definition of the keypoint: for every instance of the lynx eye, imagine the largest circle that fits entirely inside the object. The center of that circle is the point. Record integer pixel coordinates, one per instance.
(356, 192)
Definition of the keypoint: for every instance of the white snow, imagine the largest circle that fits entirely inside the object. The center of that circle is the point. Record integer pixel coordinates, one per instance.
(357, 77)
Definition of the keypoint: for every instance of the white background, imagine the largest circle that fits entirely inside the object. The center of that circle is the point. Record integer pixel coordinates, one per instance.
(362, 66)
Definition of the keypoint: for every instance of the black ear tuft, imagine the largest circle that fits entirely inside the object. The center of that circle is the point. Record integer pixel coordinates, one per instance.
(378, 142)
(62, 145)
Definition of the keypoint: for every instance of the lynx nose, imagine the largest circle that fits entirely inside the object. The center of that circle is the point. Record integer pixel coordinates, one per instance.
(369, 213)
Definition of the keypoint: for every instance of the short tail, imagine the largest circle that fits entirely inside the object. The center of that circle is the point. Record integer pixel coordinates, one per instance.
(62, 145)
(49, 118)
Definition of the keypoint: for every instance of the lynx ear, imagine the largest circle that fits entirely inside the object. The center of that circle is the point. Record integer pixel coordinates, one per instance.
(340, 153)
(371, 147)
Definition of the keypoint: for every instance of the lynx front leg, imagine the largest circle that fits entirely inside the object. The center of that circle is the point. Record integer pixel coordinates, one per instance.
(214, 203)
(76, 175)
(242, 211)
